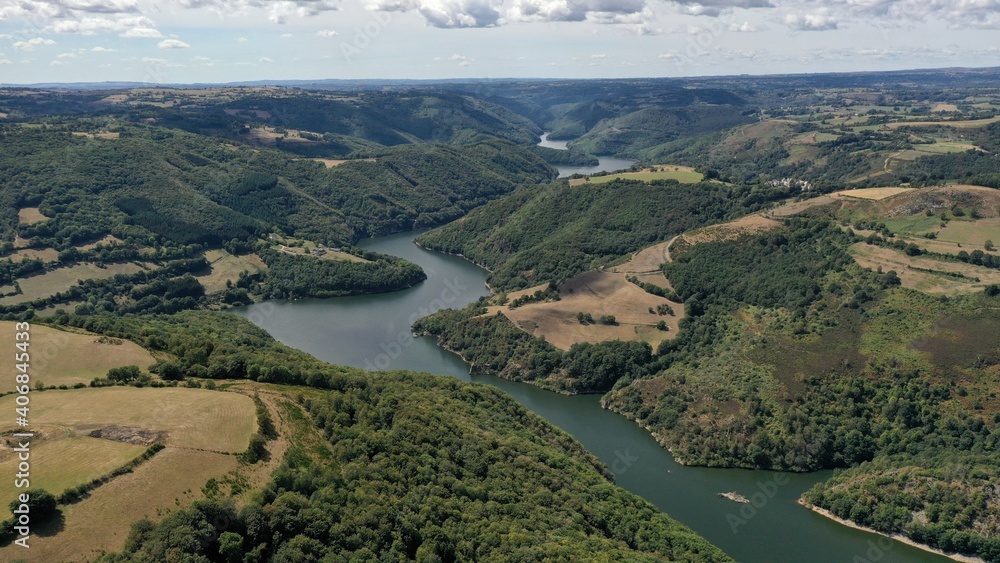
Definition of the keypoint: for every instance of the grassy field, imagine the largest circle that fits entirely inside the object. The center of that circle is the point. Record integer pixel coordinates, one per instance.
(64, 358)
(224, 267)
(192, 418)
(30, 216)
(333, 162)
(63, 459)
(301, 246)
(598, 293)
(971, 234)
(750, 224)
(682, 174)
(61, 279)
(872, 193)
(925, 274)
(959, 124)
(172, 478)
(43, 254)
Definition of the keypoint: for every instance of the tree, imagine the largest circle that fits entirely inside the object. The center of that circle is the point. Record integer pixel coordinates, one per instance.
(988, 245)
(124, 374)
(41, 504)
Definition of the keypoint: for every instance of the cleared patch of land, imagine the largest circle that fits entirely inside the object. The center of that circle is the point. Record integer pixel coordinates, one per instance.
(172, 478)
(43, 254)
(191, 418)
(97, 135)
(65, 358)
(597, 293)
(750, 224)
(926, 274)
(795, 207)
(959, 124)
(61, 279)
(971, 234)
(63, 459)
(683, 174)
(302, 247)
(333, 163)
(30, 216)
(224, 267)
(872, 193)
(106, 241)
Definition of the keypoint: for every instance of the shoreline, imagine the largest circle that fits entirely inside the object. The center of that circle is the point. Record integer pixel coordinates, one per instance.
(894, 537)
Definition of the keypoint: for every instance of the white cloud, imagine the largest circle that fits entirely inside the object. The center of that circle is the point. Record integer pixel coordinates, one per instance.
(745, 27)
(100, 24)
(242, 40)
(142, 33)
(287, 35)
(104, 50)
(811, 22)
(265, 60)
(447, 13)
(5, 62)
(599, 56)
(172, 44)
(100, 6)
(67, 56)
(327, 33)
(30, 44)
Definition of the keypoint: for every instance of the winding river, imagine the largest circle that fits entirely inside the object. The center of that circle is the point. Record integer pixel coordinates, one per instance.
(372, 332)
(604, 163)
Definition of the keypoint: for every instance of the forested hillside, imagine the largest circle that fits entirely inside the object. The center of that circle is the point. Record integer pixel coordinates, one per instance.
(540, 235)
(392, 465)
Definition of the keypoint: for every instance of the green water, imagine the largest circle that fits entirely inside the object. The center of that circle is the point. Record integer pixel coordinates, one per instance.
(373, 332)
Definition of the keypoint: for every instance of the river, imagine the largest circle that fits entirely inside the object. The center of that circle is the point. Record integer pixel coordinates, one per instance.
(604, 163)
(372, 332)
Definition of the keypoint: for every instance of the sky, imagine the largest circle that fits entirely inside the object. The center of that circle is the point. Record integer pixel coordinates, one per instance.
(214, 41)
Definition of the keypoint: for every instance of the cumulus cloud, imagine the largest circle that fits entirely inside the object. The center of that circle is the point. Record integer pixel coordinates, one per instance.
(172, 44)
(447, 13)
(811, 22)
(31, 44)
(265, 60)
(5, 62)
(326, 33)
(142, 33)
(104, 50)
(604, 11)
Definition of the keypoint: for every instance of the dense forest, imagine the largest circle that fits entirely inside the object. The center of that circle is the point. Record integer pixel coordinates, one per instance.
(550, 234)
(393, 466)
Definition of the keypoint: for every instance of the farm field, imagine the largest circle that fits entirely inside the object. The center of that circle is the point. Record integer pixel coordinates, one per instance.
(61, 279)
(62, 459)
(872, 193)
(195, 419)
(172, 478)
(945, 277)
(224, 267)
(598, 293)
(64, 358)
(683, 174)
(958, 124)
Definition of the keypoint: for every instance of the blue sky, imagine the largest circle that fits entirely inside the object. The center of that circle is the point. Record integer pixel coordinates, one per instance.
(188, 41)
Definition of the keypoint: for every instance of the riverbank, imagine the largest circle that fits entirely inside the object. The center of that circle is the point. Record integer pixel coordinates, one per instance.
(894, 537)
